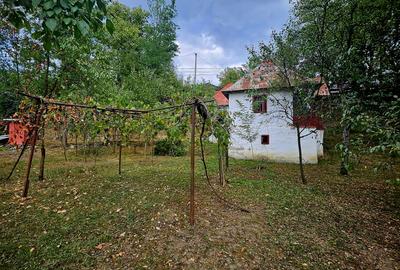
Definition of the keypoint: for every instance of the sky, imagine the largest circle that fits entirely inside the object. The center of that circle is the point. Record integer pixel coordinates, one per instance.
(220, 30)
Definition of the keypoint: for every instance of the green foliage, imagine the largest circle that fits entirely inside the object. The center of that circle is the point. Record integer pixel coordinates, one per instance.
(353, 46)
(8, 104)
(350, 51)
(169, 147)
(51, 19)
(128, 66)
(204, 89)
(221, 122)
(246, 126)
(230, 75)
(160, 35)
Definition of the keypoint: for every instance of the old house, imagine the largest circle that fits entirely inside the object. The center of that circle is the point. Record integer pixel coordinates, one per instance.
(261, 129)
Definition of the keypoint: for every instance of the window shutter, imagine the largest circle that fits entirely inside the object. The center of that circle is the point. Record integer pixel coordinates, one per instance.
(260, 104)
(264, 105)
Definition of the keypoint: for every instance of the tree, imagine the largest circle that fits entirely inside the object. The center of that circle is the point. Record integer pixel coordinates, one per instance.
(230, 75)
(342, 42)
(160, 36)
(297, 113)
(284, 52)
(245, 127)
(221, 129)
(53, 18)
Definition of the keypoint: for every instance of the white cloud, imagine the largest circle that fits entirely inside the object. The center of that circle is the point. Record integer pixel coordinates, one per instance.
(212, 57)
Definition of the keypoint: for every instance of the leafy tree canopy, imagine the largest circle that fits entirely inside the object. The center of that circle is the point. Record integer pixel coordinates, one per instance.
(230, 75)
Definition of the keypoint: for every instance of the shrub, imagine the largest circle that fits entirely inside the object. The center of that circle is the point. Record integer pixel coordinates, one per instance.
(168, 147)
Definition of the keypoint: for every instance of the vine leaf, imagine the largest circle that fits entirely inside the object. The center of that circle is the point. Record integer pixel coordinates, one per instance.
(36, 3)
(110, 26)
(51, 24)
(83, 27)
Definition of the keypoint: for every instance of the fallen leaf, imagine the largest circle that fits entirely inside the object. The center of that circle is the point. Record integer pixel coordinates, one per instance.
(102, 245)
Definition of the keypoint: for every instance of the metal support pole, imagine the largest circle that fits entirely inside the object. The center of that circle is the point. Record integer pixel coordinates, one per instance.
(34, 138)
(192, 148)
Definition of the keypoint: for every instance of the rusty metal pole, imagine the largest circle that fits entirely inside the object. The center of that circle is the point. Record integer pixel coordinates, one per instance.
(192, 148)
(34, 138)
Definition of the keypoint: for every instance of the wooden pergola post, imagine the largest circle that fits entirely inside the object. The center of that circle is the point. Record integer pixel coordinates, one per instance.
(192, 149)
(38, 117)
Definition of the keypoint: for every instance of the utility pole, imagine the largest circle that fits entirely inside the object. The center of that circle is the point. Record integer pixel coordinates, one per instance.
(195, 67)
(195, 73)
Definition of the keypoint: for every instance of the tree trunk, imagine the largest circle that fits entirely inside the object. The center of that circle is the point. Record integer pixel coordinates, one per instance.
(65, 135)
(62, 135)
(344, 165)
(42, 157)
(226, 158)
(221, 165)
(303, 178)
(42, 148)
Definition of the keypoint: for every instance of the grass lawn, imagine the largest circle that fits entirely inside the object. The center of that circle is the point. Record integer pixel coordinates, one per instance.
(85, 216)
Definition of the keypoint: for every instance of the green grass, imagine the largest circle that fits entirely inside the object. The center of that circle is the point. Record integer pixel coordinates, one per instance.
(87, 216)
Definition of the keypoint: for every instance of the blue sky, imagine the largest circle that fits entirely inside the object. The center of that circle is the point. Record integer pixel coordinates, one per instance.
(220, 30)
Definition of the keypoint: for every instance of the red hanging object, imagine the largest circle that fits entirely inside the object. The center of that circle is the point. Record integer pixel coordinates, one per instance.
(18, 133)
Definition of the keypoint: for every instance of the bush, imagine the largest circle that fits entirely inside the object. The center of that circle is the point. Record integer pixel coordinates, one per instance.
(168, 147)
(8, 104)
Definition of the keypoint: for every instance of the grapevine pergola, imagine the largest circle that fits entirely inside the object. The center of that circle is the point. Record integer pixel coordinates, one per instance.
(195, 104)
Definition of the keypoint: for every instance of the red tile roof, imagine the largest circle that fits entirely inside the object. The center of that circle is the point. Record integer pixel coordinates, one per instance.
(220, 98)
(323, 90)
(226, 86)
(261, 77)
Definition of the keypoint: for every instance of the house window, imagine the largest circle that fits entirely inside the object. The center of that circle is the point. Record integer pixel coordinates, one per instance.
(264, 139)
(260, 104)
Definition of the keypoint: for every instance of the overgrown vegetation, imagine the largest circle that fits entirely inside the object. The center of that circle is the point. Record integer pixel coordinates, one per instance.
(86, 216)
(353, 46)
(128, 65)
(168, 147)
(89, 211)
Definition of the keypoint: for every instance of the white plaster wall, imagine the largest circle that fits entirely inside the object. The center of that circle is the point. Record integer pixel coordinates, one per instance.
(282, 145)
